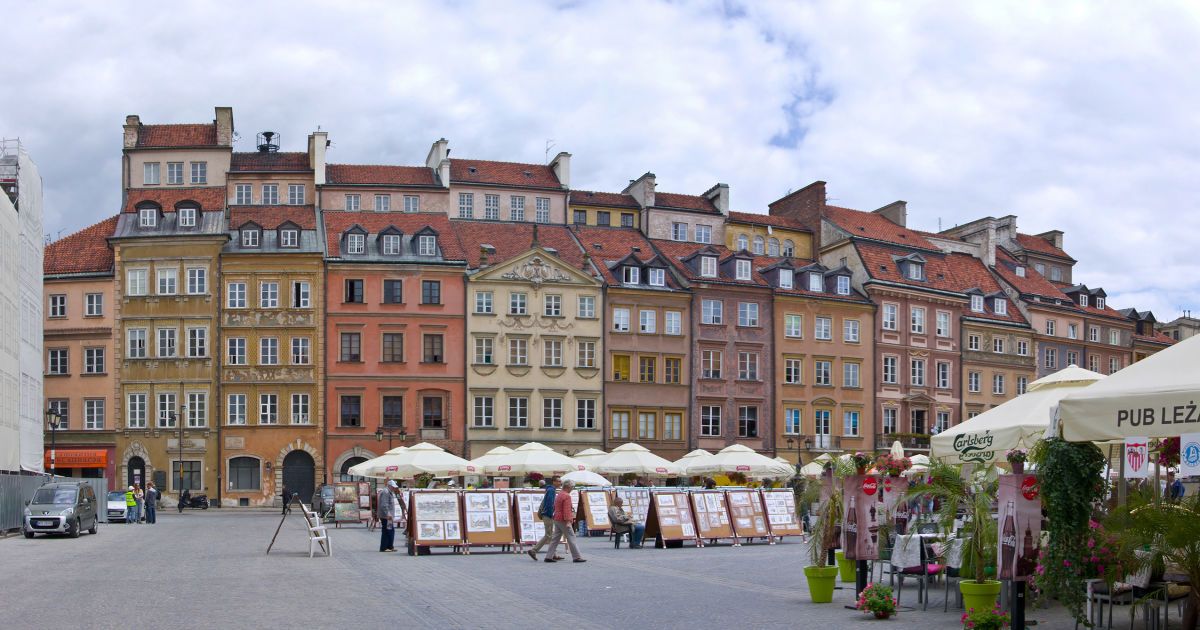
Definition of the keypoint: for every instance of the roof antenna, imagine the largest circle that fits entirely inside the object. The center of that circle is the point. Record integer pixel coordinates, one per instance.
(549, 145)
(939, 224)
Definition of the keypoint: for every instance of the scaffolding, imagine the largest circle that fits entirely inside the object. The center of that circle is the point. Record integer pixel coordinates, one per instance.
(10, 169)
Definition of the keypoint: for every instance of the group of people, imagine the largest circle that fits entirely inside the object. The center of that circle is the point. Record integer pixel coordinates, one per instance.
(557, 512)
(141, 505)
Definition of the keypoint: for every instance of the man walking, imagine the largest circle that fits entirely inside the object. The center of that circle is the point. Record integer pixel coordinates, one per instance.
(287, 498)
(546, 513)
(387, 517)
(151, 503)
(564, 516)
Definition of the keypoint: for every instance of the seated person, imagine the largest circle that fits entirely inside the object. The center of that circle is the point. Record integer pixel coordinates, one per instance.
(622, 522)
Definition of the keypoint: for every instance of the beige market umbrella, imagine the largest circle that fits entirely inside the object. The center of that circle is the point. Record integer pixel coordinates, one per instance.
(408, 462)
(589, 456)
(790, 465)
(897, 449)
(812, 470)
(636, 459)
(481, 462)
(533, 457)
(741, 459)
(689, 459)
(586, 478)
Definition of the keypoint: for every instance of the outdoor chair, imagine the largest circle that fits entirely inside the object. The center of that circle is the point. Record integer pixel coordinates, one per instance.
(1100, 593)
(953, 556)
(909, 560)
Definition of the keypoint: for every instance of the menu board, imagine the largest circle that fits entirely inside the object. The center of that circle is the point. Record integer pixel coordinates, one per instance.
(781, 512)
(593, 505)
(670, 517)
(345, 503)
(712, 517)
(530, 528)
(637, 502)
(437, 518)
(488, 517)
(746, 513)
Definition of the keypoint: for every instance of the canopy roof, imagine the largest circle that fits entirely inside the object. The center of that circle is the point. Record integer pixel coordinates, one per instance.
(586, 478)
(689, 459)
(738, 458)
(408, 462)
(533, 457)
(635, 458)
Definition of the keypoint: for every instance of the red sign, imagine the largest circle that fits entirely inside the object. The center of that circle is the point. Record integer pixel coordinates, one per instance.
(78, 458)
(870, 485)
(659, 470)
(743, 469)
(391, 469)
(887, 484)
(505, 467)
(1029, 488)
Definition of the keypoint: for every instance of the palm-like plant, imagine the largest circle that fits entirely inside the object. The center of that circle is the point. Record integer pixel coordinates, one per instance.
(1170, 531)
(973, 497)
(827, 526)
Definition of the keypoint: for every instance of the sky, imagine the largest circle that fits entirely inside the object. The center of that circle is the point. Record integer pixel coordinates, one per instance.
(1076, 116)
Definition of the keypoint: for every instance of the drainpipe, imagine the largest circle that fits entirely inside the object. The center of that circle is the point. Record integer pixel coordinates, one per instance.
(216, 358)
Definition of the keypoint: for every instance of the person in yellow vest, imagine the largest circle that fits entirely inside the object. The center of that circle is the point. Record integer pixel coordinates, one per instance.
(131, 515)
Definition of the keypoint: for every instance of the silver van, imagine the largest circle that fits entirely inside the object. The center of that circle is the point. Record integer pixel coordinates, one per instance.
(61, 508)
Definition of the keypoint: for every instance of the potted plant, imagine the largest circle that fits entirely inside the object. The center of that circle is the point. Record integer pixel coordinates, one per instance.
(861, 461)
(1016, 459)
(892, 466)
(877, 599)
(988, 619)
(737, 478)
(1169, 531)
(823, 538)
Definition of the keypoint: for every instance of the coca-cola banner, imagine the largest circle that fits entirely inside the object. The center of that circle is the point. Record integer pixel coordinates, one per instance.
(1020, 526)
(895, 504)
(1137, 458)
(861, 513)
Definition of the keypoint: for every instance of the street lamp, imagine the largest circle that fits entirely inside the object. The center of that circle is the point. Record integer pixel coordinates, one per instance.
(179, 418)
(53, 418)
(380, 432)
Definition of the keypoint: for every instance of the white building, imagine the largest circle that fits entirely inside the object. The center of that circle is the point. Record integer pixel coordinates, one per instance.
(21, 363)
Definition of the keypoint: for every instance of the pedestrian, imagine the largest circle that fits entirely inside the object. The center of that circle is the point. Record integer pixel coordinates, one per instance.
(287, 498)
(546, 513)
(564, 515)
(184, 499)
(131, 515)
(1174, 487)
(387, 517)
(151, 503)
(140, 497)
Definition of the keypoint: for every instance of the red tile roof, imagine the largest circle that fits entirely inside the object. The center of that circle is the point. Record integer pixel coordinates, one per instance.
(607, 199)
(189, 135)
(210, 198)
(85, 251)
(766, 219)
(503, 174)
(800, 285)
(379, 174)
(1158, 337)
(1033, 283)
(271, 217)
(877, 260)
(695, 203)
(513, 239)
(676, 251)
(337, 223)
(971, 273)
(874, 226)
(1040, 245)
(250, 162)
(615, 244)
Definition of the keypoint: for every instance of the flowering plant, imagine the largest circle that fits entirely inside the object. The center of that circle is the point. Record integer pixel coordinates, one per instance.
(1168, 451)
(861, 459)
(877, 598)
(891, 465)
(985, 619)
(1017, 456)
(535, 477)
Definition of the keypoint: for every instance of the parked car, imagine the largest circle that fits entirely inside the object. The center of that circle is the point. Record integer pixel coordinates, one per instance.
(323, 499)
(116, 509)
(61, 508)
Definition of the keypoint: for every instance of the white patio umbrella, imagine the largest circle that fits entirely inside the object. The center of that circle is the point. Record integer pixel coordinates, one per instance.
(1018, 423)
(408, 462)
(636, 459)
(589, 456)
(790, 465)
(482, 461)
(920, 460)
(812, 470)
(1155, 397)
(586, 478)
(741, 459)
(689, 459)
(533, 457)
(897, 449)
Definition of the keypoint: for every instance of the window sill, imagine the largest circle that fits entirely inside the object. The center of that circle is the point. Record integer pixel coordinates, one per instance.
(347, 426)
(359, 361)
(512, 428)
(484, 314)
(382, 303)
(57, 374)
(433, 363)
(432, 304)
(94, 374)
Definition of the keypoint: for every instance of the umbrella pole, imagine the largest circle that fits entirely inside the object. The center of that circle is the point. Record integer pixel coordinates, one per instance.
(1122, 484)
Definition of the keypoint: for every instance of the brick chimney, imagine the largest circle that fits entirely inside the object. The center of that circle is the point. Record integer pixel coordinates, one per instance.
(896, 212)
(132, 125)
(438, 160)
(318, 142)
(1054, 237)
(719, 196)
(805, 206)
(642, 190)
(224, 123)
(561, 165)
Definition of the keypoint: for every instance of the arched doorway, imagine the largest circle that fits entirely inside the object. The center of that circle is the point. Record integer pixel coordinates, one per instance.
(345, 470)
(136, 471)
(299, 472)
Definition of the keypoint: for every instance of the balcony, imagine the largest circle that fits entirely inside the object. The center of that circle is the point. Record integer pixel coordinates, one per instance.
(917, 441)
(823, 443)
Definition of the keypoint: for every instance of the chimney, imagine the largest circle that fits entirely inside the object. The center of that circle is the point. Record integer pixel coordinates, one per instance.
(642, 190)
(132, 124)
(318, 142)
(224, 126)
(988, 247)
(805, 206)
(1054, 237)
(484, 250)
(561, 165)
(438, 160)
(896, 212)
(719, 196)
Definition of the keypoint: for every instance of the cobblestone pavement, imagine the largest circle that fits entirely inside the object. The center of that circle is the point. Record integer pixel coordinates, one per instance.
(209, 570)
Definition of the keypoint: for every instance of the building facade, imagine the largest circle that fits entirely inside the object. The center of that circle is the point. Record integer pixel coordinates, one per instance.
(603, 209)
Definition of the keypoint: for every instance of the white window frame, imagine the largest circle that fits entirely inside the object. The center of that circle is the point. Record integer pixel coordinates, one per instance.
(891, 314)
(672, 323)
(703, 233)
(748, 315)
(712, 312)
(296, 194)
(136, 410)
(943, 324)
(268, 294)
(657, 277)
(235, 295)
(708, 266)
(823, 328)
(679, 231)
(383, 203)
(197, 280)
(426, 245)
(270, 195)
(977, 303)
(742, 269)
(620, 319)
(647, 322)
(166, 281)
(151, 174)
(353, 203)
(587, 306)
(793, 326)
(243, 194)
(412, 203)
(785, 278)
(186, 217)
(843, 285)
(917, 320)
(850, 330)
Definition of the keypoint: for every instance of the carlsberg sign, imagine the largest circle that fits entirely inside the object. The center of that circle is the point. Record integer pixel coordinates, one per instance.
(974, 447)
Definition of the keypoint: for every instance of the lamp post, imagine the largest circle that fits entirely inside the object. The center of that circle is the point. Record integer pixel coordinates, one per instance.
(791, 445)
(179, 419)
(380, 432)
(53, 418)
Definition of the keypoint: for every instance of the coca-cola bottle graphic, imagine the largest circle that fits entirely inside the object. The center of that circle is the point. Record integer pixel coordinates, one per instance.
(850, 531)
(1028, 561)
(873, 527)
(901, 516)
(1008, 543)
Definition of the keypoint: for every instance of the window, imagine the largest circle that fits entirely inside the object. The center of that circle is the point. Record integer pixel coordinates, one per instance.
(351, 348)
(432, 416)
(166, 410)
(630, 275)
(543, 209)
(235, 351)
(186, 473)
(187, 217)
(351, 411)
(942, 422)
(391, 244)
(483, 302)
(197, 343)
(710, 364)
(353, 203)
(850, 423)
(136, 343)
(393, 291)
(199, 172)
(1072, 357)
(710, 420)
(679, 231)
(977, 303)
(1001, 306)
(821, 427)
(1094, 334)
(791, 421)
(647, 322)
(301, 351)
(235, 409)
(268, 351)
(672, 426)
(619, 426)
(1114, 337)
(823, 373)
(434, 352)
(135, 411)
(843, 285)
(850, 330)
(917, 315)
(747, 313)
(552, 413)
(747, 421)
(917, 376)
(270, 195)
(197, 280)
(1094, 362)
(672, 370)
(758, 245)
(816, 283)
(1072, 331)
(621, 320)
(1050, 326)
(711, 312)
(789, 248)
(174, 172)
(889, 420)
(296, 194)
(708, 266)
(250, 237)
(915, 271)
(824, 328)
(585, 356)
(518, 412)
(412, 203)
(166, 342)
(793, 325)
(673, 322)
(242, 195)
(356, 243)
(383, 203)
(620, 364)
(1022, 347)
(943, 324)
(743, 242)
(1083, 299)
(518, 351)
(59, 361)
(742, 270)
(793, 371)
(466, 205)
(301, 295)
(268, 295)
(235, 295)
(197, 410)
(748, 366)
(244, 473)
(973, 342)
(393, 348)
(998, 345)
(587, 306)
(353, 292)
(785, 278)
(1020, 271)
(516, 304)
(58, 306)
(94, 306)
(552, 305)
(1114, 364)
(1022, 385)
(703, 233)
(552, 353)
(626, 220)
(150, 174)
(168, 281)
(516, 208)
(997, 383)
(1100, 303)
(658, 277)
(431, 292)
(1051, 359)
(484, 350)
(850, 375)
(773, 247)
(943, 375)
(580, 217)
(890, 365)
(485, 411)
(889, 316)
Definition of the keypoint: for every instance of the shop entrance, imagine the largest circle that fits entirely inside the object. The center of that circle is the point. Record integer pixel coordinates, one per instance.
(299, 472)
(136, 472)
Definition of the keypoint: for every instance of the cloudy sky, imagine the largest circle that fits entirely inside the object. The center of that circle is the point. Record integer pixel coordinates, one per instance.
(1075, 116)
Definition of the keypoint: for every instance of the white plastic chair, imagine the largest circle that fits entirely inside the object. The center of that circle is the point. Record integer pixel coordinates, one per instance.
(318, 535)
(907, 554)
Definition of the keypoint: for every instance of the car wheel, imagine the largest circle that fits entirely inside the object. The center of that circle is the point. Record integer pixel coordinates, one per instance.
(95, 526)
(74, 531)
(28, 534)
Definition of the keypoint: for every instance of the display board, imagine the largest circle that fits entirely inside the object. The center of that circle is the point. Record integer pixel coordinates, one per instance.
(530, 528)
(712, 514)
(593, 505)
(670, 517)
(1020, 525)
(488, 517)
(436, 518)
(345, 503)
(780, 504)
(860, 518)
(637, 502)
(746, 513)
(364, 501)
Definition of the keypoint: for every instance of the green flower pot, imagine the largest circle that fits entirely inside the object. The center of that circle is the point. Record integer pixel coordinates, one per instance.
(979, 596)
(845, 567)
(821, 583)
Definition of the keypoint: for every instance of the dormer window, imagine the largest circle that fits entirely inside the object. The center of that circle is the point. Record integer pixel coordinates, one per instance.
(148, 217)
(742, 270)
(1020, 272)
(708, 266)
(977, 303)
(785, 278)
(289, 238)
(843, 285)
(915, 271)
(758, 245)
(816, 283)
(743, 242)
(658, 277)
(630, 275)
(427, 245)
(1099, 302)
(390, 244)
(1083, 299)
(356, 243)
(187, 217)
(1000, 305)
(250, 237)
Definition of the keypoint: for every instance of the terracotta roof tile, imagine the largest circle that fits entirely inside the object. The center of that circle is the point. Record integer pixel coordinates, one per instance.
(408, 222)
(1033, 283)
(766, 219)
(615, 244)
(695, 203)
(188, 135)
(800, 286)
(379, 174)
(874, 226)
(1158, 337)
(971, 273)
(271, 217)
(606, 199)
(85, 251)
(676, 251)
(513, 239)
(879, 264)
(503, 174)
(250, 162)
(1040, 245)
(210, 198)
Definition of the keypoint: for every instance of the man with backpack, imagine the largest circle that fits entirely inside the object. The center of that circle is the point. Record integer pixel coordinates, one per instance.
(546, 513)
